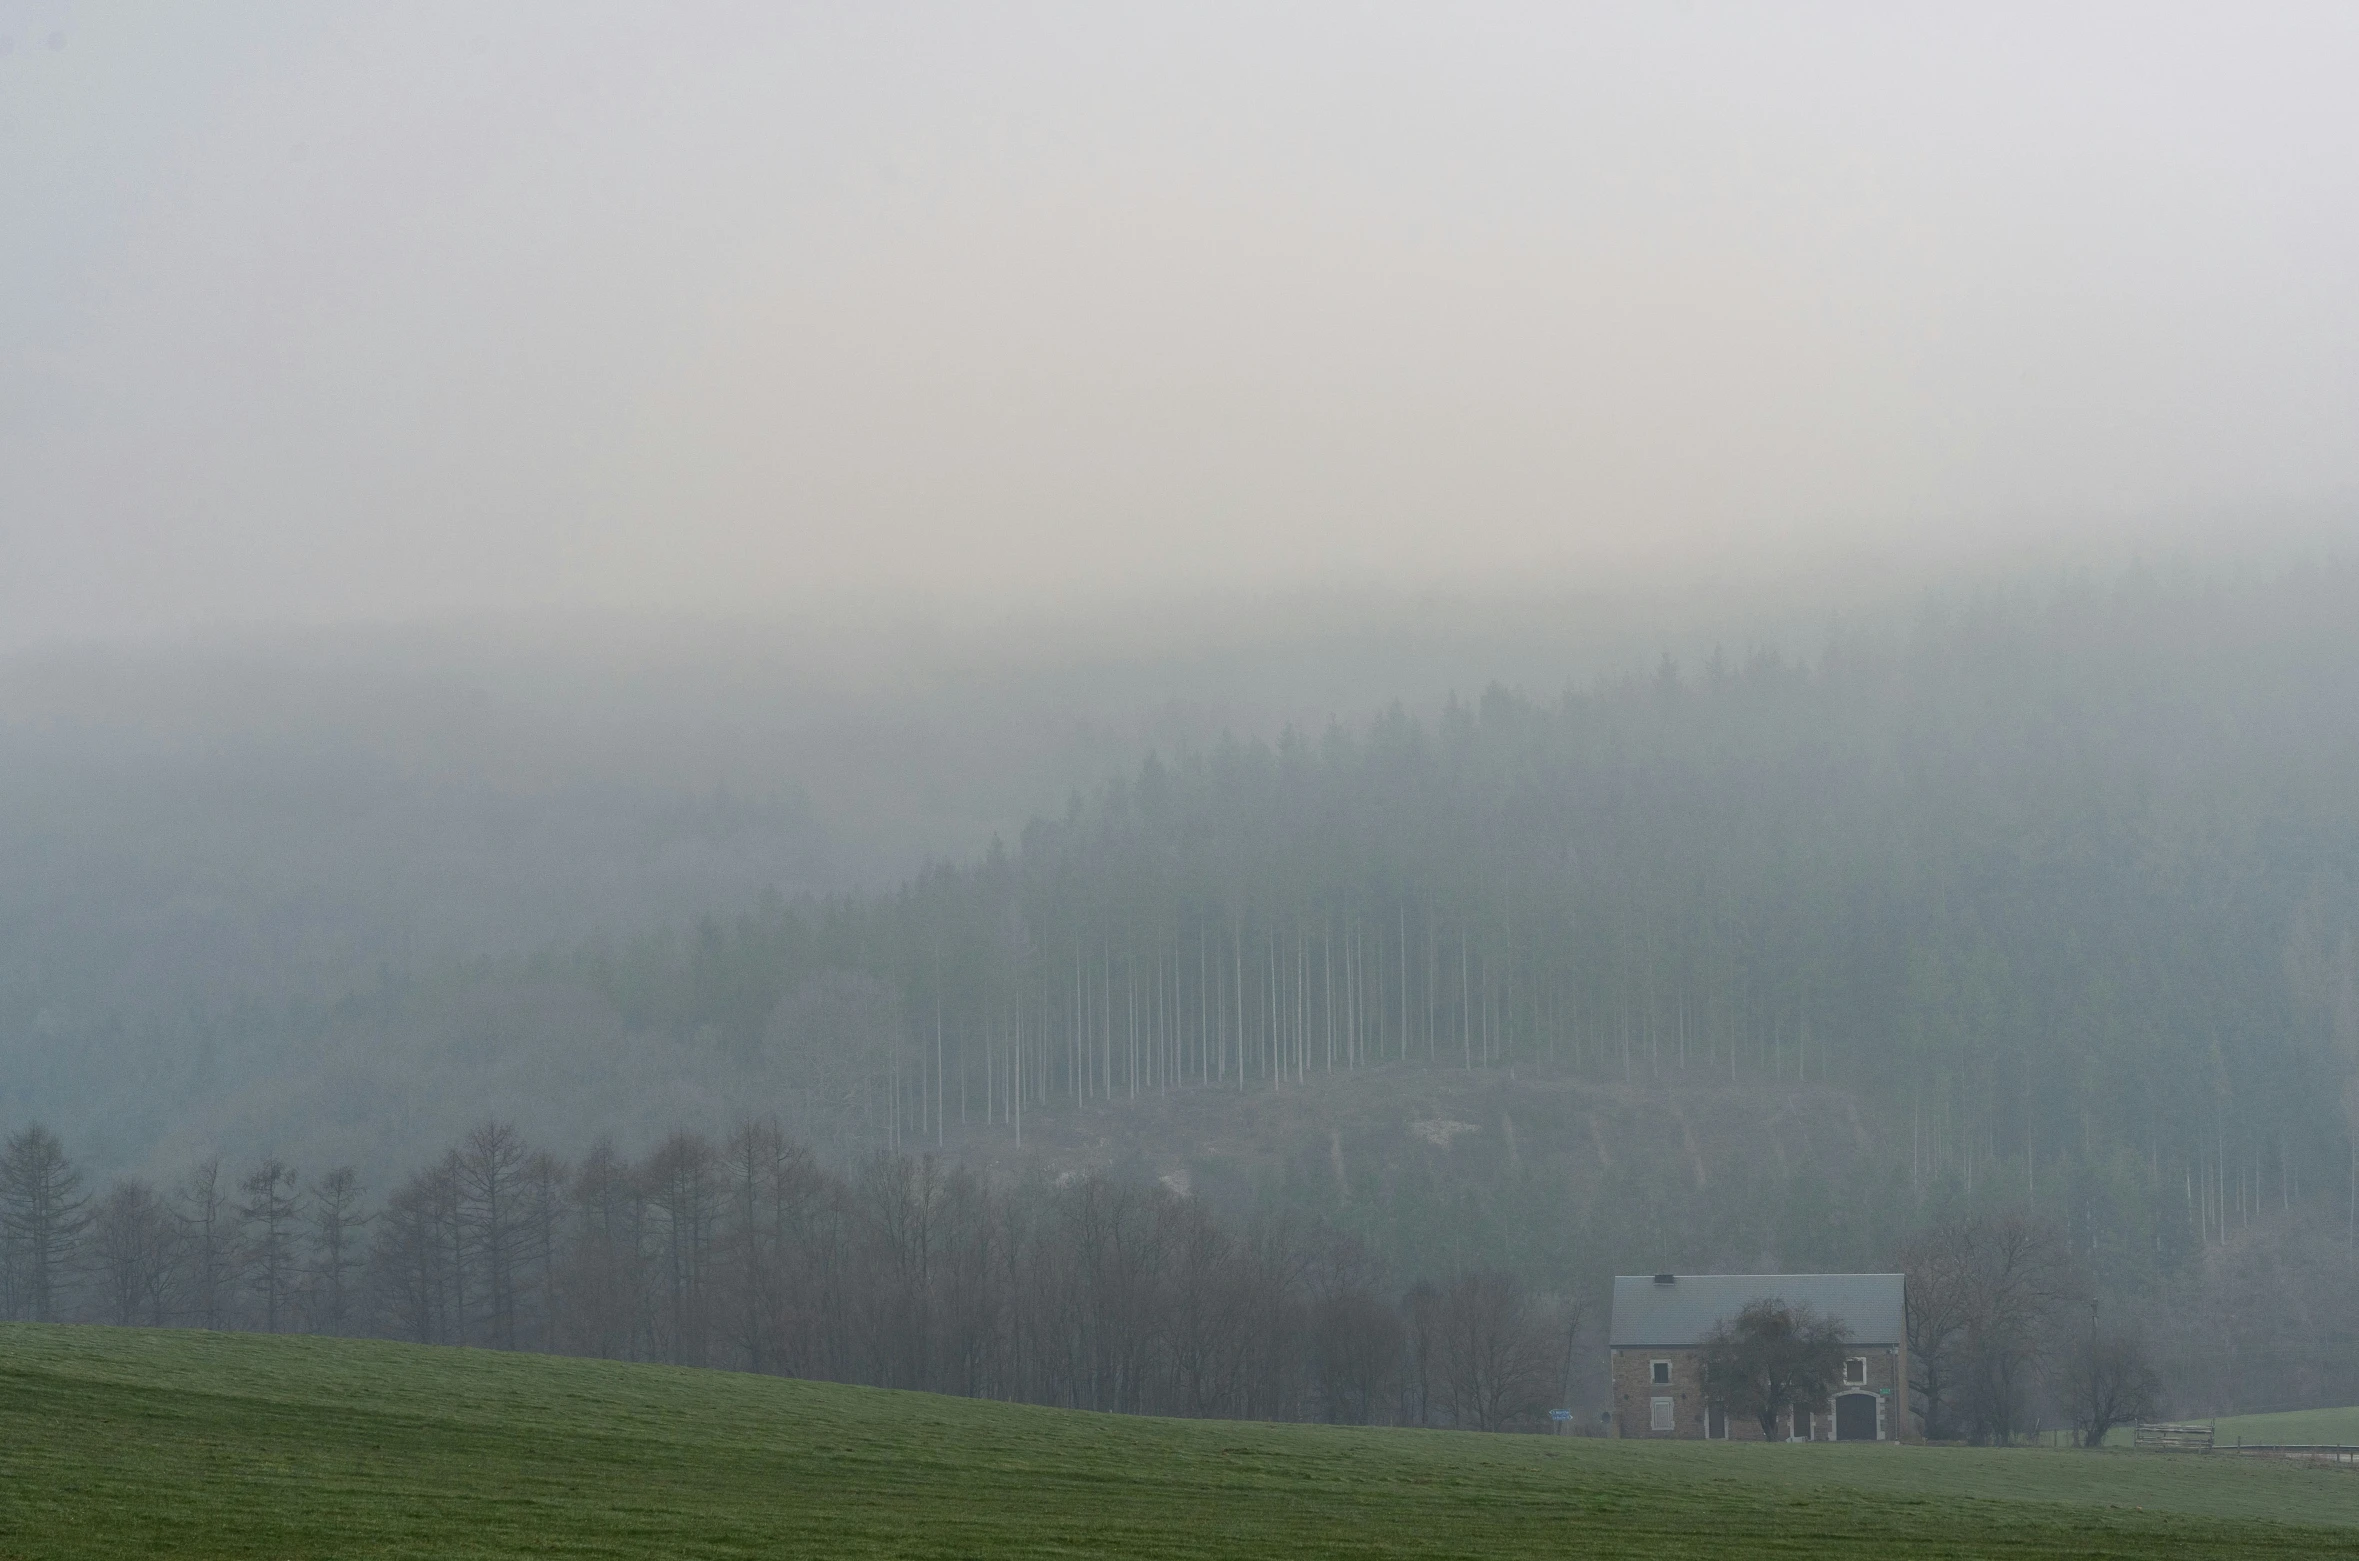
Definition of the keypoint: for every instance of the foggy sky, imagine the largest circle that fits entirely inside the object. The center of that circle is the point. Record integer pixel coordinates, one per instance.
(318, 313)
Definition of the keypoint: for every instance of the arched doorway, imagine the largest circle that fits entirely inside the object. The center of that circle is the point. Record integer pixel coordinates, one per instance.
(1855, 1417)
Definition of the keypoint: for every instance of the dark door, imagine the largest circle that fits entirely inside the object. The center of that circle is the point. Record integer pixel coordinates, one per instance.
(1855, 1417)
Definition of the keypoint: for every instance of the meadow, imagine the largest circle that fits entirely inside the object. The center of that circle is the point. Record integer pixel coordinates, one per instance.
(2297, 1427)
(122, 1442)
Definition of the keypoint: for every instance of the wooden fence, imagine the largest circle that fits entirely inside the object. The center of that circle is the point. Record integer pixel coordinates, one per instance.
(2176, 1436)
(2298, 1452)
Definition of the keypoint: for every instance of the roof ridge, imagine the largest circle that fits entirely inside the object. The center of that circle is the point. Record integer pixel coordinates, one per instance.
(1681, 1313)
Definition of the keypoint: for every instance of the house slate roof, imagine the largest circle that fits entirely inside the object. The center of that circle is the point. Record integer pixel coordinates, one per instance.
(1679, 1315)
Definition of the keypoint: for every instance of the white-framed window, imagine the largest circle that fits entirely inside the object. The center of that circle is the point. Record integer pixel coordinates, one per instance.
(1662, 1415)
(1662, 1373)
(1855, 1370)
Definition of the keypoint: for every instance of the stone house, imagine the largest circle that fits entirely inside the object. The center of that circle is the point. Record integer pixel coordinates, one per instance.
(1656, 1343)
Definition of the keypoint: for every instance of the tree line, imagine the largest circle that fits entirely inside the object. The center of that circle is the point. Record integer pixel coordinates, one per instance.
(1095, 1292)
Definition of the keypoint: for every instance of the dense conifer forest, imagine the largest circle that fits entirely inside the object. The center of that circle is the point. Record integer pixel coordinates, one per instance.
(2062, 892)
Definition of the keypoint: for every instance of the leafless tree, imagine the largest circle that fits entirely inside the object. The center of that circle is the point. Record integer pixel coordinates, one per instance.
(208, 1240)
(1202, 1311)
(2109, 1381)
(544, 1205)
(969, 1305)
(899, 1202)
(1495, 1357)
(1421, 1323)
(42, 1215)
(488, 1173)
(684, 1189)
(336, 1221)
(605, 1269)
(268, 1215)
(1356, 1338)
(1568, 1316)
(132, 1245)
(445, 1211)
(1111, 1234)
(1982, 1296)
(1773, 1360)
(406, 1260)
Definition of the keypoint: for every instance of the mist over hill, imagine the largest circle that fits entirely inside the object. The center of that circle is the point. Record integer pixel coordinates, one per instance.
(1659, 953)
(200, 824)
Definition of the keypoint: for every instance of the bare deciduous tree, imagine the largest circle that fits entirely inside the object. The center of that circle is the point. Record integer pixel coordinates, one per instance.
(1356, 1336)
(1494, 1355)
(1772, 1360)
(336, 1222)
(2109, 1381)
(1982, 1296)
(606, 1268)
(273, 1204)
(488, 1173)
(208, 1241)
(42, 1215)
(132, 1240)
(544, 1187)
(684, 1189)
(406, 1260)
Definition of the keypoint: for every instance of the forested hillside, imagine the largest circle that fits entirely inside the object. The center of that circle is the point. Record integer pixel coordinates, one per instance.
(2062, 891)
(2044, 901)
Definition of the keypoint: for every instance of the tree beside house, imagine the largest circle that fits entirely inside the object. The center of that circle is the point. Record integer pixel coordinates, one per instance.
(1760, 1357)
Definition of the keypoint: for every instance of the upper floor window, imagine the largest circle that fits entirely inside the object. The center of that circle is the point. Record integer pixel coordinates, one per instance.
(1663, 1373)
(1855, 1369)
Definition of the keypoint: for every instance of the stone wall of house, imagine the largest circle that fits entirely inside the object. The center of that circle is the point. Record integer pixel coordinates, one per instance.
(1635, 1391)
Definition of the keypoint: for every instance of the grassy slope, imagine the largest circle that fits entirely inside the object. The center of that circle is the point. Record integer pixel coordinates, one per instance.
(142, 1443)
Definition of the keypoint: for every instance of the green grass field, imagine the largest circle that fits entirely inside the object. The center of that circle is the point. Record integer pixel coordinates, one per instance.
(2300, 1427)
(124, 1443)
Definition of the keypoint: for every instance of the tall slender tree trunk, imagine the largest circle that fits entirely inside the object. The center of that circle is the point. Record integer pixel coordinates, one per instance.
(1465, 1006)
(1327, 1006)
(1238, 950)
(1404, 1046)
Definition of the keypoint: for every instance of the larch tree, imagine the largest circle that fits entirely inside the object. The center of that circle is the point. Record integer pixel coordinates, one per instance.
(270, 1213)
(684, 1186)
(42, 1216)
(208, 1233)
(492, 1211)
(336, 1220)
